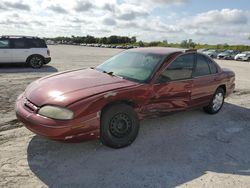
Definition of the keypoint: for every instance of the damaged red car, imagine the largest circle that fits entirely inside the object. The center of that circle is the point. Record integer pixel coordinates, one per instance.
(108, 101)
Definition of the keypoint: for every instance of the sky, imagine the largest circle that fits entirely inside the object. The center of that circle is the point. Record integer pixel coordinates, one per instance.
(204, 21)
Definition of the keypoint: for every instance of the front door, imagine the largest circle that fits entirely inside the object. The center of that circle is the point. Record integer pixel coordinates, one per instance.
(5, 52)
(172, 90)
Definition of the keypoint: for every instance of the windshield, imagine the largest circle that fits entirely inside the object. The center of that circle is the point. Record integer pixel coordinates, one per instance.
(133, 66)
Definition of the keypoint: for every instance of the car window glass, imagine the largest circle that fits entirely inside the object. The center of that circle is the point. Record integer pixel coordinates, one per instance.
(212, 66)
(19, 43)
(202, 67)
(180, 69)
(4, 44)
(37, 43)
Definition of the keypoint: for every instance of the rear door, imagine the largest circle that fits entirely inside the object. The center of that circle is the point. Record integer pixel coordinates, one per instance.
(38, 46)
(172, 90)
(5, 52)
(204, 81)
(20, 50)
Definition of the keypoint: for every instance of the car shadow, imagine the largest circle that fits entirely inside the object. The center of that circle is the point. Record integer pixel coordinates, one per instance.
(23, 68)
(168, 152)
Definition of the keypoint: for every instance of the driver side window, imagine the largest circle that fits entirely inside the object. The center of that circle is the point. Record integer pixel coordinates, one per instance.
(180, 69)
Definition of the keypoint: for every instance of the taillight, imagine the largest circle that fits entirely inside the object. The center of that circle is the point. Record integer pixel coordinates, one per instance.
(48, 52)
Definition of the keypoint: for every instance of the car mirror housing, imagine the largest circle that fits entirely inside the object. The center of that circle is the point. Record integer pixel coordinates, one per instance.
(162, 79)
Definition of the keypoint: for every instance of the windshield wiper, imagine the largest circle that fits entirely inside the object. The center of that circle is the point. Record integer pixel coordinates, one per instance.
(112, 74)
(109, 73)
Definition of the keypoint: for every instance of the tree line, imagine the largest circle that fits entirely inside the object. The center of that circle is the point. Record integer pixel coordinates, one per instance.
(191, 44)
(91, 39)
(123, 40)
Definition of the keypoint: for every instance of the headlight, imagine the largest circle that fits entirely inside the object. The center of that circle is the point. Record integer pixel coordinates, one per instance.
(56, 112)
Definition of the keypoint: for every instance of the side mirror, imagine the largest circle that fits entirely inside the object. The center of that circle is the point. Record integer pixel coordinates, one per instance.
(162, 79)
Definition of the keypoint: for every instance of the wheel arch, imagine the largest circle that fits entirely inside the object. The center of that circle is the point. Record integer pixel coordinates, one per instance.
(30, 56)
(223, 86)
(117, 102)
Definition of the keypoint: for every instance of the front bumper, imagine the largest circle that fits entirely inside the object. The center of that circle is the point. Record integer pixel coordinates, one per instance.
(47, 60)
(85, 128)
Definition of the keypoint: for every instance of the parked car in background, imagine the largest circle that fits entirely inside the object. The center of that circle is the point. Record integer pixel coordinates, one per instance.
(228, 54)
(24, 49)
(108, 101)
(211, 53)
(244, 56)
(202, 50)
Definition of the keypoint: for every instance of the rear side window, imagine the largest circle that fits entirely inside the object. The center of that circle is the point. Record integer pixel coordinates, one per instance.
(212, 66)
(202, 67)
(180, 69)
(4, 43)
(19, 43)
(37, 43)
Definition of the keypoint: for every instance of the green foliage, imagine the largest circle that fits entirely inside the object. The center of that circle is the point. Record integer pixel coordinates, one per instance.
(141, 44)
(91, 39)
(155, 43)
(187, 44)
(190, 44)
(124, 40)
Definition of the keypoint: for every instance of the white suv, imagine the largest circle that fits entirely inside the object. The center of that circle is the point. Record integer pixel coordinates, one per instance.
(23, 49)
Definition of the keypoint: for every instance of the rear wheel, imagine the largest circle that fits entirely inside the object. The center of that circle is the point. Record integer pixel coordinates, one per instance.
(119, 126)
(36, 61)
(217, 102)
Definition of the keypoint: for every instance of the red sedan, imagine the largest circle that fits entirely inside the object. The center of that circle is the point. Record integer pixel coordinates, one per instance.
(108, 101)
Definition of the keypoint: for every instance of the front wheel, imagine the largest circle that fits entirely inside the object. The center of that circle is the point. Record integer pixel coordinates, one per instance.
(216, 103)
(36, 61)
(119, 126)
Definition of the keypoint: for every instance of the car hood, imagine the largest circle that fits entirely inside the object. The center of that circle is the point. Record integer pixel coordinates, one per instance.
(68, 87)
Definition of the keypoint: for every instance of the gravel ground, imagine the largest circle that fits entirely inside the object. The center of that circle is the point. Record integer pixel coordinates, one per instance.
(188, 149)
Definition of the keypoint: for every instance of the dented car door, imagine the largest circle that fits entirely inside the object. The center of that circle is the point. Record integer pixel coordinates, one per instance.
(173, 88)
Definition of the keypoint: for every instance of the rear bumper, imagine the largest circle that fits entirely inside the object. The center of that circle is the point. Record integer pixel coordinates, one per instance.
(86, 128)
(47, 60)
(230, 89)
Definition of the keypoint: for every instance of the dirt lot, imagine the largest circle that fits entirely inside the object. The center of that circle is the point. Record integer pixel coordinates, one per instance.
(188, 149)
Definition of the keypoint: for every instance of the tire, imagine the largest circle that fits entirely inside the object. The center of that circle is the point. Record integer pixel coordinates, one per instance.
(36, 61)
(216, 103)
(119, 126)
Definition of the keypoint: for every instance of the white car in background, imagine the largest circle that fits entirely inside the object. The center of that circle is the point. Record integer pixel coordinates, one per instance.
(244, 56)
(228, 54)
(23, 49)
(211, 53)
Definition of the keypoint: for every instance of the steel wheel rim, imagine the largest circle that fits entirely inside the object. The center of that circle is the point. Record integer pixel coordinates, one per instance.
(218, 101)
(120, 125)
(36, 62)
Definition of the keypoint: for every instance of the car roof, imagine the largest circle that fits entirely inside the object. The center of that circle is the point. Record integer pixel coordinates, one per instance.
(160, 50)
(18, 37)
